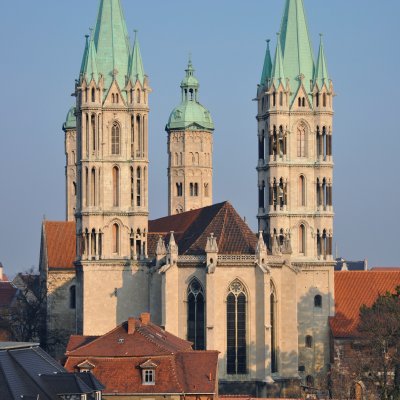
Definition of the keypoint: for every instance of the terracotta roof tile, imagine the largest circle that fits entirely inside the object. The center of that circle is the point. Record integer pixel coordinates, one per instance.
(147, 340)
(354, 289)
(194, 227)
(118, 355)
(60, 244)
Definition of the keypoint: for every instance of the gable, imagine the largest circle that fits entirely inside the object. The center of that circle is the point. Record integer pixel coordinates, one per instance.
(191, 230)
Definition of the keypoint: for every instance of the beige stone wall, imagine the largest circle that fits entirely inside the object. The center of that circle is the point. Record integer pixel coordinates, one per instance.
(190, 162)
(61, 317)
(112, 292)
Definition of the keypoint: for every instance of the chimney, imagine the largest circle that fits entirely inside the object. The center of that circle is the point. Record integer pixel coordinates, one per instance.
(131, 326)
(1, 271)
(145, 318)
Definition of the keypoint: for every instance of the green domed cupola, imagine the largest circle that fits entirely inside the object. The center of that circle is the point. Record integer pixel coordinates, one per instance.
(70, 121)
(190, 114)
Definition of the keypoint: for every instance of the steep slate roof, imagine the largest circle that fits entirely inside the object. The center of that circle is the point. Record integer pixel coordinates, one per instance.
(26, 370)
(192, 228)
(354, 289)
(60, 244)
(118, 355)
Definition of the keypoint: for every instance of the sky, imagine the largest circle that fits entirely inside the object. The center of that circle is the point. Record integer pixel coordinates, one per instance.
(41, 47)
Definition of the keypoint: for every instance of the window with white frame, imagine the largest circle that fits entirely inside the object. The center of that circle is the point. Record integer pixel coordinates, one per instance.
(149, 377)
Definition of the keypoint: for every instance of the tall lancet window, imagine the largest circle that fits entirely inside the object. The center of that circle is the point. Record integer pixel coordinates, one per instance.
(115, 139)
(196, 315)
(236, 307)
(115, 187)
(274, 347)
(301, 141)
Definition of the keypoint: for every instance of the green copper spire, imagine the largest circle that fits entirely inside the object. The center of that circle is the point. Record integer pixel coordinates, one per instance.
(278, 73)
(112, 43)
(91, 70)
(266, 73)
(136, 64)
(298, 56)
(190, 114)
(321, 71)
(85, 55)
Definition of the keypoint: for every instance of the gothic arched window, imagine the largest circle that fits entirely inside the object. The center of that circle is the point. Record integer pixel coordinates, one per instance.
(318, 301)
(302, 191)
(273, 316)
(196, 315)
(138, 187)
(115, 187)
(132, 188)
(115, 139)
(179, 189)
(93, 95)
(93, 187)
(302, 239)
(115, 233)
(301, 141)
(236, 305)
(72, 297)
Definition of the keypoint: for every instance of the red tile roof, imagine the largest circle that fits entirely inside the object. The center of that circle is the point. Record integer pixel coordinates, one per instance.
(8, 294)
(354, 289)
(147, 340)
(60, 244)
(191, 230)
(118, 355)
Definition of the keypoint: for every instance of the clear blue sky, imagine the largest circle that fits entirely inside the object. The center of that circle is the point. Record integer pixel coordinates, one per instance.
(41, 46)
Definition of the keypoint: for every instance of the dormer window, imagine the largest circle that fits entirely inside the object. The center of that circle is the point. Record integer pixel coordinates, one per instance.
(85, 366)
(149, 376)
(148, 372)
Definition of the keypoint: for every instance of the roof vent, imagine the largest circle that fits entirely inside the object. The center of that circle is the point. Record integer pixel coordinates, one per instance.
(121, 341)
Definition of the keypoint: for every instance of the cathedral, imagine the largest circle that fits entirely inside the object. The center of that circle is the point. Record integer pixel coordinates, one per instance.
(263, 300)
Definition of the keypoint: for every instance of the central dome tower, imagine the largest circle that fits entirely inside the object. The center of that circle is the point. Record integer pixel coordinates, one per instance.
(190, 142)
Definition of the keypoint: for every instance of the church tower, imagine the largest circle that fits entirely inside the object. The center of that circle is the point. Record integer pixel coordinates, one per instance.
(69, 129)
(295, 166)
(112, 174)
(190, 147)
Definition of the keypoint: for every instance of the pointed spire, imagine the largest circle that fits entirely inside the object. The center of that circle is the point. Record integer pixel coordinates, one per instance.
(136, 64)
(85, 55)
(90, 70)
(298, 56)
(278, 73)
(112, 42)
(267, 69)
(321, 70)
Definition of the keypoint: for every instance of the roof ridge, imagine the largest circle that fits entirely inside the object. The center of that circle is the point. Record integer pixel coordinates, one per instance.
(151, 340)
(223, 206)
(174, 372)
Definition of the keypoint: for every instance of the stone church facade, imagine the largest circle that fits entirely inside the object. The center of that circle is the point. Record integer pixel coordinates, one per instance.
(262, 300)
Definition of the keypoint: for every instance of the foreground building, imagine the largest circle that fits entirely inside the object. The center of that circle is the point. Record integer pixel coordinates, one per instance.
(354, 289)
(263, 301)
(139, 360)
(29, 373)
